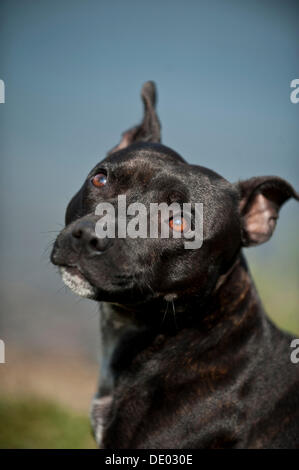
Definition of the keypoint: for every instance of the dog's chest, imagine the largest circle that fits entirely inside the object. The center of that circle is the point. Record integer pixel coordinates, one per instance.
(117, 336)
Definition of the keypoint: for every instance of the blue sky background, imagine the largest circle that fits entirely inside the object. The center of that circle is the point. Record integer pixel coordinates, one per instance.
(73, 70)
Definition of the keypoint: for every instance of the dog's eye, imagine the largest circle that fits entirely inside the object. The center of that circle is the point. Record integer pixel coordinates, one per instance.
(99, 180)
(178, 224)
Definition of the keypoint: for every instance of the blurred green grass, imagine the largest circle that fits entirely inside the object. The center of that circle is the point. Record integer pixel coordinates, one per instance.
(33, 423)
(276, 277)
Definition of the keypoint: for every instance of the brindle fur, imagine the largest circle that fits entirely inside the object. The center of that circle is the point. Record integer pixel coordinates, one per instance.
(189, 357)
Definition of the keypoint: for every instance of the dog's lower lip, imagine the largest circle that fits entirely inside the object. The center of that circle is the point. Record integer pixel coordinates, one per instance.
(74, 270)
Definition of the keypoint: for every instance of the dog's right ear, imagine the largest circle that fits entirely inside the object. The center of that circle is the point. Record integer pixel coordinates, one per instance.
(149, 129)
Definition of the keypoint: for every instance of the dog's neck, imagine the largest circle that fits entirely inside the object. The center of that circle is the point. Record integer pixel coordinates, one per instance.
(232, 309)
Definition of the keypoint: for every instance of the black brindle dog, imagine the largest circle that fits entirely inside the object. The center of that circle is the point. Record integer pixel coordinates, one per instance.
(189, 357)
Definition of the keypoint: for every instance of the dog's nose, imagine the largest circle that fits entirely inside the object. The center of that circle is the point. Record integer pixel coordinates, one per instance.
(84, 237)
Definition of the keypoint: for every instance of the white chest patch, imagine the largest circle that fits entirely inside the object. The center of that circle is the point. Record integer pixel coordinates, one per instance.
(100, 408)
(77, 284)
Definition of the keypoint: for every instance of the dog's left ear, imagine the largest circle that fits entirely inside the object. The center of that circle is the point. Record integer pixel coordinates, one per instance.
(150, 128)
(260, 201)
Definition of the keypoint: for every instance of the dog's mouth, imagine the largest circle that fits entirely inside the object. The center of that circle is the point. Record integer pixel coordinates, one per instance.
(76, 281)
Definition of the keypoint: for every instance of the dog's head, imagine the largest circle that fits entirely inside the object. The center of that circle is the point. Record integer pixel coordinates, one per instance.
(128, 269)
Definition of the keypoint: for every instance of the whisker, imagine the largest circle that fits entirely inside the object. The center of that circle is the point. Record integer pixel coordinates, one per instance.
(165, 313)
(173, 310)
(50, 231)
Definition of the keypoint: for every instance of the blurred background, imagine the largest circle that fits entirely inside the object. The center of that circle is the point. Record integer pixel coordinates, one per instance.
(73, 70)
